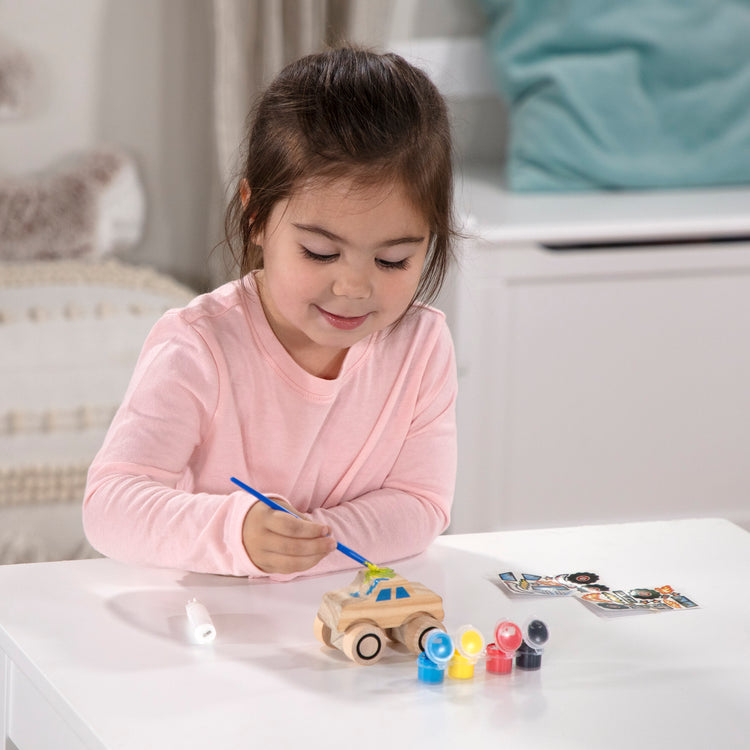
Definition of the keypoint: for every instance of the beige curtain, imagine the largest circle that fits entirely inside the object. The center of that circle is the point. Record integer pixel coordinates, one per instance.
(253, 40)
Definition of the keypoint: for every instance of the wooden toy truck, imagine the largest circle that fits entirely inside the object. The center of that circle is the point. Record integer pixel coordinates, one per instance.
(379, 604)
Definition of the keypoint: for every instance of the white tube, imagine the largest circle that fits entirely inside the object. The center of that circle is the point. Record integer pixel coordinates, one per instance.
(203, 629)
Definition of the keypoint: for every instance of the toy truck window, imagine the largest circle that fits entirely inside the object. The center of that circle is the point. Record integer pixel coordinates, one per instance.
(384, 595)
(401, 593)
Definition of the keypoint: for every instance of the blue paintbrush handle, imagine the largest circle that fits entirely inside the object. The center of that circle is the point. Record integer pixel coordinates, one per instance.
(276, 506)
(354, 555)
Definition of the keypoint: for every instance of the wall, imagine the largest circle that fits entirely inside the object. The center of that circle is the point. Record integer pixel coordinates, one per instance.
(138, 74)
(479, 123)
(135, 74)
(63, 41)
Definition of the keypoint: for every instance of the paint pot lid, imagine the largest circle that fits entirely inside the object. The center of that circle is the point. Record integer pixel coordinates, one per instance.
(508, 636)
(469, 642)
(438, 647)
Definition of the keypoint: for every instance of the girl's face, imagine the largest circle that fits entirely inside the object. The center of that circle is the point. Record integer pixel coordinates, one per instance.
(340, 262)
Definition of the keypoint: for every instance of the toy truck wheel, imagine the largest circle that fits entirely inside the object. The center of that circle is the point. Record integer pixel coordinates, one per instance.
(413, 632)
(322, 632)
(363, 643)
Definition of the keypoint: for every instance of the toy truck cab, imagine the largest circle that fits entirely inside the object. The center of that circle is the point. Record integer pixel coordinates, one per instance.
(378, 605)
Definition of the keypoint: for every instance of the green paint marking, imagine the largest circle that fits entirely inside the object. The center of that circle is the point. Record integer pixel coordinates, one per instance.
(373, 571)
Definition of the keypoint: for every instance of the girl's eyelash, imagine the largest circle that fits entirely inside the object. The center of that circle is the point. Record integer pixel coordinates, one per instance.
(393, 265)
(386, 265)
(315, 256)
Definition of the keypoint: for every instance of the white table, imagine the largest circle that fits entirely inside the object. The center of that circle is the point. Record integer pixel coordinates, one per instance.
(96, 653)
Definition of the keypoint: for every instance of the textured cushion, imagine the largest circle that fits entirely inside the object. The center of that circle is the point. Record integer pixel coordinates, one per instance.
(70, 333)
(86, 206)
(638, 94)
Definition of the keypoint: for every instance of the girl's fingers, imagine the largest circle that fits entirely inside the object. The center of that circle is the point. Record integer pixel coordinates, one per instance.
(283, 555)
(287, 525)
(278, 542)
(290, 546)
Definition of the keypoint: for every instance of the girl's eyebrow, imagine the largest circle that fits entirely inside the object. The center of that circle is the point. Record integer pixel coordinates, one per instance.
(315, 229)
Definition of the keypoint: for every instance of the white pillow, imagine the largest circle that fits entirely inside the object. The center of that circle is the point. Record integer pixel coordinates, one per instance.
(70, 334)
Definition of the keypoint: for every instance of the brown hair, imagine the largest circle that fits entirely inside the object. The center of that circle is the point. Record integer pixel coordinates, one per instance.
(348, 112)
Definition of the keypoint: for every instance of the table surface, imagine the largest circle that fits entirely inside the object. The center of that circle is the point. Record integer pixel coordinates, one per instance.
(107, 647)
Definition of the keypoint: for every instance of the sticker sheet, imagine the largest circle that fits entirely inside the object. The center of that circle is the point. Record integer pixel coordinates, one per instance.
(560, 585)
(588, 588)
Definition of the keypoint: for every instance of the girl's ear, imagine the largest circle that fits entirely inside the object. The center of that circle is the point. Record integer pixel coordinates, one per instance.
(244, 192)
(245, 198)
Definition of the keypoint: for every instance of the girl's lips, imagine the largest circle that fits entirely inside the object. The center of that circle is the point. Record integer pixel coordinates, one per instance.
(342, 323)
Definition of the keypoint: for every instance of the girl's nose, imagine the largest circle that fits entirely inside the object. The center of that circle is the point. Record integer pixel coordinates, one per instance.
(352, 282)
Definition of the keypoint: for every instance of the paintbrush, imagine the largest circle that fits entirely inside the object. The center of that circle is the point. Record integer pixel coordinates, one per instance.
(276, 506)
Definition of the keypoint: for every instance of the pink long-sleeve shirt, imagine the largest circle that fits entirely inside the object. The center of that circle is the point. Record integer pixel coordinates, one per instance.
(371, 453)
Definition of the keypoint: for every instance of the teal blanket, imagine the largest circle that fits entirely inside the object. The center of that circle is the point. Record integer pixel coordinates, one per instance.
(623, 93)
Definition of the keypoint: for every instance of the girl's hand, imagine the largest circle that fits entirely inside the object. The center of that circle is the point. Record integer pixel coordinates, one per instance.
(277, 542)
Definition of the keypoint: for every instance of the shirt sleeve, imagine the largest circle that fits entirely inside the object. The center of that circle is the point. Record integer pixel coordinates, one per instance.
(412, 508)
(137, 506)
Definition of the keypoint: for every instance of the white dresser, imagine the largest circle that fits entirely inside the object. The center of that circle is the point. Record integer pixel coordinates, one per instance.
(607, 382)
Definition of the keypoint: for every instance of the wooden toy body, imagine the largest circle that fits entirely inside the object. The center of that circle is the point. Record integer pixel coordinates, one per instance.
(359, 618)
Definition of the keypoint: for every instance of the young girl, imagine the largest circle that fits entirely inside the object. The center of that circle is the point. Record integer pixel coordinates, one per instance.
(320, 377)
